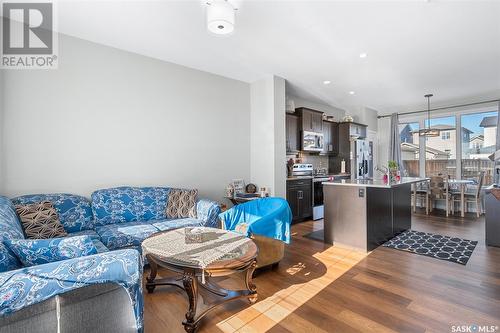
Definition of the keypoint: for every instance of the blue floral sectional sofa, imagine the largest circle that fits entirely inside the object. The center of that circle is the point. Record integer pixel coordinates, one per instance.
(125, 216)
(116, 219)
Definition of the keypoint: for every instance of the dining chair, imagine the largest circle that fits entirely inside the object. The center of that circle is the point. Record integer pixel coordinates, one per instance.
(421, 193)
(439, 191)
(474, 196)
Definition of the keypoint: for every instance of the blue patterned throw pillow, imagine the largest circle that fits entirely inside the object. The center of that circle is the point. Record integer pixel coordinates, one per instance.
(32, 252)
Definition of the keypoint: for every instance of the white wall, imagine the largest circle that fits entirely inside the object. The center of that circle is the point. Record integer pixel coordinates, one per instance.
(108, 117)
(328, 109)
(262, 133)
(365, 116)
(280, 172)
(267, 127)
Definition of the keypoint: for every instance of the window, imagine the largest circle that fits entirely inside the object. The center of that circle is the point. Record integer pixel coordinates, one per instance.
(478, 143)
(410, 150)
(441, 151)
(475, 140)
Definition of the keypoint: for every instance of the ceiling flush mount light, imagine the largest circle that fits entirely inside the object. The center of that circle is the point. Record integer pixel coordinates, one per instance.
(327, 82)
(351, 92)
(363, 55)
(220, 17)
(428, 131)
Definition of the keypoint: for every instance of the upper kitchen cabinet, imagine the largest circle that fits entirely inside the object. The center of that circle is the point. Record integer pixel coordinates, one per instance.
(354, 130)
(312, 120)
(292, 133)
(330, 135)
(317, 122)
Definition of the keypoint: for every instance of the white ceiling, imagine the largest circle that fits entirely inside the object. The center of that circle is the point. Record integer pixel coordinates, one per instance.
(451, 49)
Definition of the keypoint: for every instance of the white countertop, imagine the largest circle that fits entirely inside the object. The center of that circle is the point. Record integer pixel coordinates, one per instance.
(299, 177)
(375, 182)
(317, 176)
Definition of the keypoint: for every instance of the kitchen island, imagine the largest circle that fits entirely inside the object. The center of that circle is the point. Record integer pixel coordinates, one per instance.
(366, 213)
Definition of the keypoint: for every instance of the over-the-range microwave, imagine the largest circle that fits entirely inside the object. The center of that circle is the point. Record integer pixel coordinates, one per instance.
(312, 141)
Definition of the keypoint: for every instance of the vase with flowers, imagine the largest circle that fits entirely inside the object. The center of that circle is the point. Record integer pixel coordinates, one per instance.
(393, 171)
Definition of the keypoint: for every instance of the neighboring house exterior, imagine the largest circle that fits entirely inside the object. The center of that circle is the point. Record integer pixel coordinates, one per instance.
(489, 125)
(410, 151)
(476, 143)
(406, 134)
(446, 141)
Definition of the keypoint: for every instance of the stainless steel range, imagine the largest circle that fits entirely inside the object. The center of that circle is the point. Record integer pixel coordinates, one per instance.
(302, 170)
(318, 201)
(318, 176)
(318, 209)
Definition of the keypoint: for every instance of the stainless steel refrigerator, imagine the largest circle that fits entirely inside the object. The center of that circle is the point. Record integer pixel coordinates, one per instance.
(362, 159)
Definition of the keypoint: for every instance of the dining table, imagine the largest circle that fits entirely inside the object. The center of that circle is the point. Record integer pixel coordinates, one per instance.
(459, 183)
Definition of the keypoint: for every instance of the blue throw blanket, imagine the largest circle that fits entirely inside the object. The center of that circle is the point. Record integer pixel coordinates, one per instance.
(26, 286)
(270, 217)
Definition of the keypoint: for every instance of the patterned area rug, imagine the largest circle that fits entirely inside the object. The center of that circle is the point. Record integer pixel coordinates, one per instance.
(452, 249)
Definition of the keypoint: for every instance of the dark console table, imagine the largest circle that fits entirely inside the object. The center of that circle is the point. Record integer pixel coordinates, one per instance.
(492, 213)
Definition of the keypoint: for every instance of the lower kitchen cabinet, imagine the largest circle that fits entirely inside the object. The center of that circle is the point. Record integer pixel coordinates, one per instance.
(299, 197)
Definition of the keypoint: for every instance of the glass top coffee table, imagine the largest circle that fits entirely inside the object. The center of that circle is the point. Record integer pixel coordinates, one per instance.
(198, 254)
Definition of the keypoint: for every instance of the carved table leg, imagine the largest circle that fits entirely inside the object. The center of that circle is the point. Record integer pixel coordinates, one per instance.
(150, 285)
(249, 282)
(190, 283)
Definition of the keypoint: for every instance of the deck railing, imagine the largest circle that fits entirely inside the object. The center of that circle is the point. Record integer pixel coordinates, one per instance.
(470, 168)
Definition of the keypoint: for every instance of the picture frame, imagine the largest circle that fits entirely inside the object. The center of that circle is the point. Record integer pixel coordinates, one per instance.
(239, 185)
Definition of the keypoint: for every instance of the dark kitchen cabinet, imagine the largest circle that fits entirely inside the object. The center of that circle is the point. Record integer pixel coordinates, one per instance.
(299, 197)
(317, 122)
(388, 213)
(344, 133)
(335, 138)
(292, 133)
(354, 130)
(307, 124)
(312, 120)
(378, 208)
(292, 196)
(344, 141)
(330, 135)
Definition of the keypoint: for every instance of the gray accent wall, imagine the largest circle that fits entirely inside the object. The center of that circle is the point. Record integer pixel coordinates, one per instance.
(107, 117)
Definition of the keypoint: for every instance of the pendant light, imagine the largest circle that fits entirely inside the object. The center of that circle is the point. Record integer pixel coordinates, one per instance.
(428, 131)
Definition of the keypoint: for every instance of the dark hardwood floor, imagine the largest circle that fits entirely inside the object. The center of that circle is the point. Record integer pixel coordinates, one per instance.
(320, 288)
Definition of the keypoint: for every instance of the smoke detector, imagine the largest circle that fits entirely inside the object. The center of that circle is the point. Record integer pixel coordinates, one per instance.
(220, 17)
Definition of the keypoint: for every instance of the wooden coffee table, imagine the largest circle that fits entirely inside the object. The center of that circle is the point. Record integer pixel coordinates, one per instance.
(159, 251)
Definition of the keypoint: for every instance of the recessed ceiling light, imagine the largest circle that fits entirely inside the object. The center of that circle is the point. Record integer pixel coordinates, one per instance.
(363, 55)
(326, 82)
(351, 92)
(220, 17)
